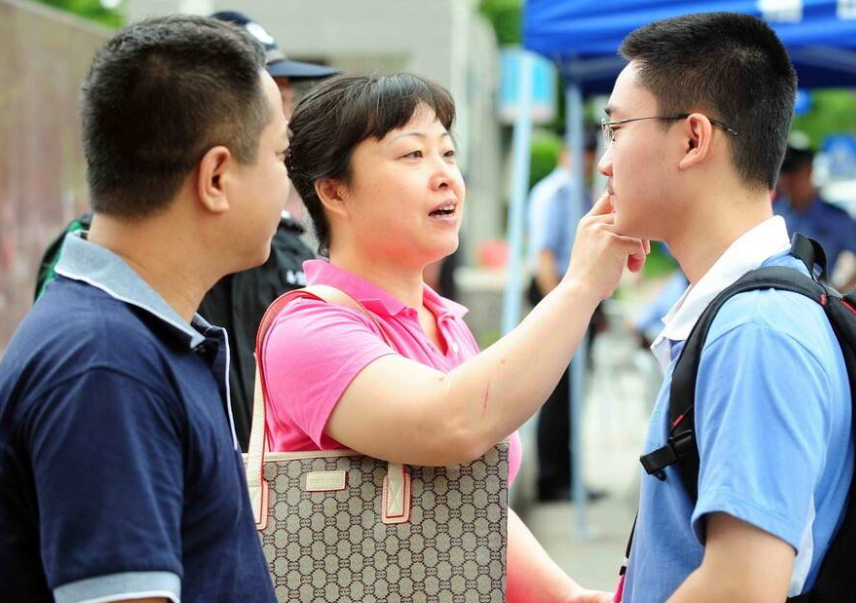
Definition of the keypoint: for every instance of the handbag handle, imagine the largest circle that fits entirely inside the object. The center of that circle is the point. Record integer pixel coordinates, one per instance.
(396, 485)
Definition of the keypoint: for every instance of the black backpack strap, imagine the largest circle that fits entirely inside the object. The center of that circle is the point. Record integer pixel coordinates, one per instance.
(682, 449)
(811, 253)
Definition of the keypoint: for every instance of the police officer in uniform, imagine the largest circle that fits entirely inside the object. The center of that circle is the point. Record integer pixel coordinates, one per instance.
(807, 213)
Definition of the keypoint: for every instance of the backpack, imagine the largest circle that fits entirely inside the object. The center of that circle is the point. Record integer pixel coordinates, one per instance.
(836, 580)
(54, 251)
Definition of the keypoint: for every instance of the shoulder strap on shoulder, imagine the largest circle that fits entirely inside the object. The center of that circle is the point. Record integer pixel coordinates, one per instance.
(681, 449)
(810, 252)
(325, 293)
(835, 578)
(258, 429)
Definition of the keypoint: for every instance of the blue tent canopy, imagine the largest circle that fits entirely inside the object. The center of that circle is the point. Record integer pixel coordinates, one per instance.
(583, 36)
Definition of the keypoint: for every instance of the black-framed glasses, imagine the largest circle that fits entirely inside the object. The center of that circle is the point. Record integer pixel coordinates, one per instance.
(608, 127)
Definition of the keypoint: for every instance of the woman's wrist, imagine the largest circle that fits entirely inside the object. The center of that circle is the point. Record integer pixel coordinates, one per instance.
(579, 293)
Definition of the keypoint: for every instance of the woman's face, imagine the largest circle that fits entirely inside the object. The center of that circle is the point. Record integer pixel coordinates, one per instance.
(406, 195)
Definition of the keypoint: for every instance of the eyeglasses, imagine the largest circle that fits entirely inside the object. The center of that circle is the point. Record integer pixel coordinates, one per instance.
(609, 126)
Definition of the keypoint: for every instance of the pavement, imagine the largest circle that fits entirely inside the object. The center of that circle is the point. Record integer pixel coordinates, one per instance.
(593, 559)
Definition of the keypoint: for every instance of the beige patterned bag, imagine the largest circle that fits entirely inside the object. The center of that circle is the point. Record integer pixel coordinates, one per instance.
(340, 526)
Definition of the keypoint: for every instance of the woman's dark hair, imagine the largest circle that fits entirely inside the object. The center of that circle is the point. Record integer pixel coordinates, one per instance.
(157, 97)
(338, 115)
(731, 65)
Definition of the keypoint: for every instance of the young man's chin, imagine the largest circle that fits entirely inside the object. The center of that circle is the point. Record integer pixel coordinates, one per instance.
(627, 226)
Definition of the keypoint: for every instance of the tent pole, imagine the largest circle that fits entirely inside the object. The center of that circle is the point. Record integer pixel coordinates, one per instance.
(574, 129)
(521, 144)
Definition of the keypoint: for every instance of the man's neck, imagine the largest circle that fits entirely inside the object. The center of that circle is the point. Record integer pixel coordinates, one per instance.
(403, 282)
(704, 237)
(162, 259)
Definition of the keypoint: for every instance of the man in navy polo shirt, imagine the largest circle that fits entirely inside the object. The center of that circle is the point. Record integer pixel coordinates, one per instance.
(696, 130)
(120, 471)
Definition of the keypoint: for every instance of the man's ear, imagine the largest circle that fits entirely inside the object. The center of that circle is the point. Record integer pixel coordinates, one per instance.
(211, 173)
(333, 194)
(698, 137)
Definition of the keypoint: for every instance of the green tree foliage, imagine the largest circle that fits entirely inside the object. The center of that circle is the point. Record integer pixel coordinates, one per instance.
(506, 16)
(88, 9)
(832, 111)
(545, 155)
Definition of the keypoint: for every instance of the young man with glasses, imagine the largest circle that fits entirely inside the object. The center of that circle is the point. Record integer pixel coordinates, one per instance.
(696, 132)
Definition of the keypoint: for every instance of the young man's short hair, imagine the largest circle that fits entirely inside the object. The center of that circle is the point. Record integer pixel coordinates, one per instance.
(157, 97)
(731, 66)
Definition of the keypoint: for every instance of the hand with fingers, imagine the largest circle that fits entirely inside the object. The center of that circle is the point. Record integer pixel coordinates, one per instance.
(601, 253)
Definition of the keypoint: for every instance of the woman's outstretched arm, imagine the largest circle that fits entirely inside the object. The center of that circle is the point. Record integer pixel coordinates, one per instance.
(400, 410)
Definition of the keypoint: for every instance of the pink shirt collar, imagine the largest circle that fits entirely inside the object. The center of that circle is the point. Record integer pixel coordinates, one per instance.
(374, 298)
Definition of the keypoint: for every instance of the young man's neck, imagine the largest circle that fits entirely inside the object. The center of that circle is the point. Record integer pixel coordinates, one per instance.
(160, 256)
(709, 232)
(403, 282)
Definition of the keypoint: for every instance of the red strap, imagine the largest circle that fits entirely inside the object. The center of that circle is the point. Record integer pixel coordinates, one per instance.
(273, 311)
(270, 315)
(618, 597)
(283, 300)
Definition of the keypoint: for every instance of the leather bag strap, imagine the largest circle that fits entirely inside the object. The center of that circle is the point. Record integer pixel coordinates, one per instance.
(396, 486)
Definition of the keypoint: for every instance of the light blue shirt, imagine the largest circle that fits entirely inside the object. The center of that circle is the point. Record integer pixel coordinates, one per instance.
(552, 218)
(773, 424)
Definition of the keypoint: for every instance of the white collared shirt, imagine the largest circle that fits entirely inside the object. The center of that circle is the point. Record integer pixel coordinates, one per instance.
(752, 249)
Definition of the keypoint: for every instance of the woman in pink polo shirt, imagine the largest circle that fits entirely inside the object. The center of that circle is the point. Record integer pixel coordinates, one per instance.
(374, 161)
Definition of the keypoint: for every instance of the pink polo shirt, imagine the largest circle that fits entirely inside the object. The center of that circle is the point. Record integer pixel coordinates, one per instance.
(314, 350)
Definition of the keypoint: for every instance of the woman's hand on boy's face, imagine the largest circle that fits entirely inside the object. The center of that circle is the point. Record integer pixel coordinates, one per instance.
(601, 253)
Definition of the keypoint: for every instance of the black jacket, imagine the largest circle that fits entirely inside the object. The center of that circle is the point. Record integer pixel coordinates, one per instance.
(238, 302)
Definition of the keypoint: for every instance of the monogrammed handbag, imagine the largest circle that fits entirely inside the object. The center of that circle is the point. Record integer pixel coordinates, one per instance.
(340, 526)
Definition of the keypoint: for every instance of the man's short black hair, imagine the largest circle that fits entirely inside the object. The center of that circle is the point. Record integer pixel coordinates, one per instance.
(797, 159)
(730, 66)
(157, 97)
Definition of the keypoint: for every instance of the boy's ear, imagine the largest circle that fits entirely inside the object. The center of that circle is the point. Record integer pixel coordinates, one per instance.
(698, 137)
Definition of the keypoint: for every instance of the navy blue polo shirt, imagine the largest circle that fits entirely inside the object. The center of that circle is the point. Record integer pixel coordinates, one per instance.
(119, 469)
